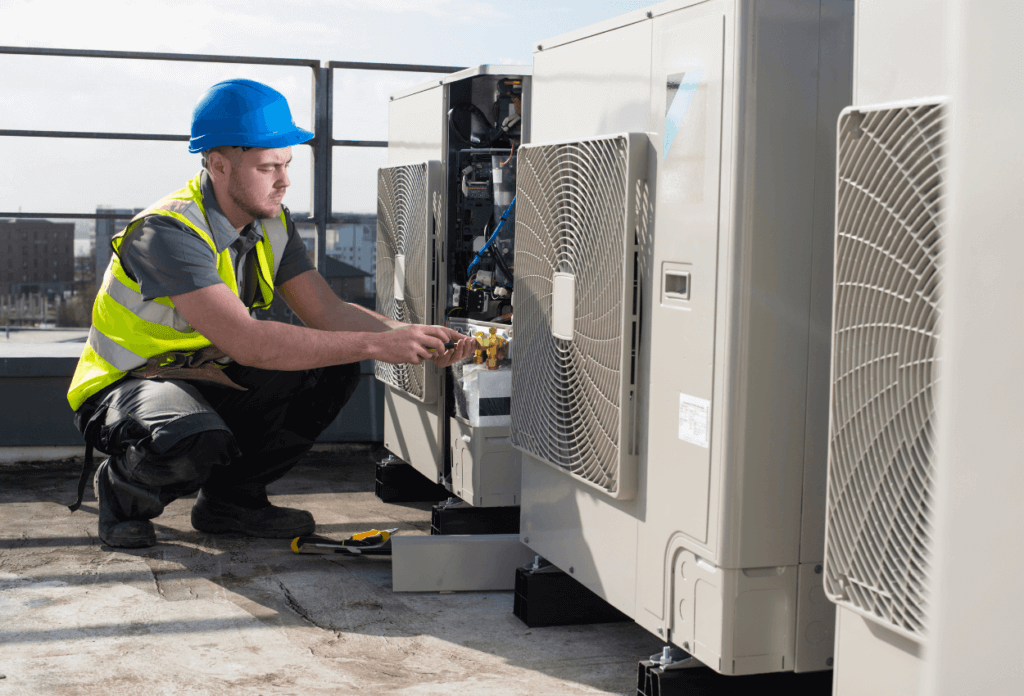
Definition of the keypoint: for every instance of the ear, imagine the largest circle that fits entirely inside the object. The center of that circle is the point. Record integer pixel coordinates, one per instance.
(218, 164)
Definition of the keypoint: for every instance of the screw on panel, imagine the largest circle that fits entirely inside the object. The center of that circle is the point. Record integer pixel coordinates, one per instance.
(526, 540)
(817, 569)
(571, 569)
(829, 662)
(539, 47)
(649, 14)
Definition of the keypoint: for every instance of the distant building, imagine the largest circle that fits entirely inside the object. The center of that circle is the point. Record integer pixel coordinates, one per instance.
(36, 256)
(351, 238)
(348, 282)
(106, 228)
(355, 243)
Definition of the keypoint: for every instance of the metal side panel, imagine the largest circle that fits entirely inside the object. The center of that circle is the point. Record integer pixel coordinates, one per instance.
(581, 531)
(594, 87)
(412, 432)
(763, 338)
(835, 74)
(902, 50)
(735, 620)
(690, 81)
(815, 621)
(467, 563)
(485, 468)
(871, 659)
(415, 125)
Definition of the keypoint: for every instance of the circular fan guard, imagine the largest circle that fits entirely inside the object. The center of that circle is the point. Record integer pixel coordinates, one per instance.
(402, 210)
(572, 210)
(889, 245)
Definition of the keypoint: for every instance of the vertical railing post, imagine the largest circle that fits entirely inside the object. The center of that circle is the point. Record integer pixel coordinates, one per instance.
(323, 98)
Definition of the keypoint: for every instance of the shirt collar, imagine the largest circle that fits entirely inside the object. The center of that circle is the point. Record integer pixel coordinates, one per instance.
(224, 233)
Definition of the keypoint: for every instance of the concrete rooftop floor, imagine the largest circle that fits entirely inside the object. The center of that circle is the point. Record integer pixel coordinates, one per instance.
(225, 615)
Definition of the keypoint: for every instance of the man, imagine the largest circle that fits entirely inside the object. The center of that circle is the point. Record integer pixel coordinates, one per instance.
(179, 382)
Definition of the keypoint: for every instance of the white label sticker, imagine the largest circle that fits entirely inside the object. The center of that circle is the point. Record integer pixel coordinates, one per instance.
(694, 419)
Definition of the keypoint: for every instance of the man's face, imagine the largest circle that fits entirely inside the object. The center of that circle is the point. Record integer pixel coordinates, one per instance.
(258, 181)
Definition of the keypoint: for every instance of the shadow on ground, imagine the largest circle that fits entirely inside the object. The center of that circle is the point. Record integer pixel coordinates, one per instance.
(213, 613)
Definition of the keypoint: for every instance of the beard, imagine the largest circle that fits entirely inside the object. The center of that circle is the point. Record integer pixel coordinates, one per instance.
(249, 203)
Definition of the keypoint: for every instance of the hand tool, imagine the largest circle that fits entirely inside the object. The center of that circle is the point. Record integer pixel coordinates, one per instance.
(376, 542)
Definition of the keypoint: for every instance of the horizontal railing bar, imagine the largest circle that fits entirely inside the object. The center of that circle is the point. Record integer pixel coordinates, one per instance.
(336, 217)
(144, 55)
(71, 216)
(155, 136)
(391, 67)
(93, 136)
(360, 143)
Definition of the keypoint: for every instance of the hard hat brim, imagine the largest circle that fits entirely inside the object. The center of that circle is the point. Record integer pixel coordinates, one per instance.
(269, 141)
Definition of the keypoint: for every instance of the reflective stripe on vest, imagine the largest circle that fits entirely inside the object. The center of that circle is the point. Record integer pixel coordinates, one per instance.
(127, 329)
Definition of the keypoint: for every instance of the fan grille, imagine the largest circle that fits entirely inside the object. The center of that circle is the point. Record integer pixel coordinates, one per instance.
(572, 399)
(889, 246)
(402, 224)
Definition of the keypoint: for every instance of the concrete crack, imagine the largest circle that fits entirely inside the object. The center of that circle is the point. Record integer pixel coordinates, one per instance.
(156, 581)
(301, 611)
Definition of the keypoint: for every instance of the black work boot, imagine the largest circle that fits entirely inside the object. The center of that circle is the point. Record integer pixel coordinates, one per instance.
(256, 519)
(113, 531)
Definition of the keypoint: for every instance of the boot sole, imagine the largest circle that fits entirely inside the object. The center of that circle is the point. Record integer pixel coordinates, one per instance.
(233, 526)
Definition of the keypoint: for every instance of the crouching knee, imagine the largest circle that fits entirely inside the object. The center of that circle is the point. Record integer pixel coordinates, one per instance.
(186, 464)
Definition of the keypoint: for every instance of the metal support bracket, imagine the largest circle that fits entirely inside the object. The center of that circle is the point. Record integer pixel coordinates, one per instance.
(457, 562)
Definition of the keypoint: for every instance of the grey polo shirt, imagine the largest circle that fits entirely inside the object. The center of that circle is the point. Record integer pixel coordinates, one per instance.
(167, 258)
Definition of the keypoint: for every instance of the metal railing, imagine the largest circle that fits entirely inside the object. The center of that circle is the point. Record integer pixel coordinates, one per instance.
(322, 144)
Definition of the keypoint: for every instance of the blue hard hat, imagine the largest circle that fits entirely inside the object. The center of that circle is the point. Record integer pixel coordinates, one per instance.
(244, 113)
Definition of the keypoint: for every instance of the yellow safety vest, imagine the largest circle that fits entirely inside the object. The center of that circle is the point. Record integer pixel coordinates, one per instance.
(127, 330)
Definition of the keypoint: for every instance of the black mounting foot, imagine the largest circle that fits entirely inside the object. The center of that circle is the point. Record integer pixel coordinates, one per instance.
(457, 517)
(399, 482)
(546, 596)
(688, 677)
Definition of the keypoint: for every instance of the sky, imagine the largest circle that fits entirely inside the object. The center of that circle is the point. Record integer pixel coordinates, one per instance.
(144, 96)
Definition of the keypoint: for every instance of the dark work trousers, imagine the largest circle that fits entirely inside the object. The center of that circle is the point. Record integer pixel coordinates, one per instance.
(169, 438)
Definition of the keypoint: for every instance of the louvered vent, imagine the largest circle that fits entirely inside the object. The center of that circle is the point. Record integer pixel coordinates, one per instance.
(404, 249)
(577, 307)
(888, 287)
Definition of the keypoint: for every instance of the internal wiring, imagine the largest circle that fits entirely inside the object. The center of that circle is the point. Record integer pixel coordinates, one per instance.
(511, 153)
(494, 235)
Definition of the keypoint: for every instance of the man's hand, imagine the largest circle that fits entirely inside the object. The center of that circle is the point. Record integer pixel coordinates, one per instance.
(464, 347)
(414, 343)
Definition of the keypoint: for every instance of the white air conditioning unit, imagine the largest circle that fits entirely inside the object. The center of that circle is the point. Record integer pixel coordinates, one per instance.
(974, 616)
(447, 180)
(672, 325)
(892, 196)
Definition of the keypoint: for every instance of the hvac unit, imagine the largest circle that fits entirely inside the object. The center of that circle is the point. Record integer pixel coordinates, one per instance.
(892, 195)
(443, 257)
(673, 252)
(973, 617)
